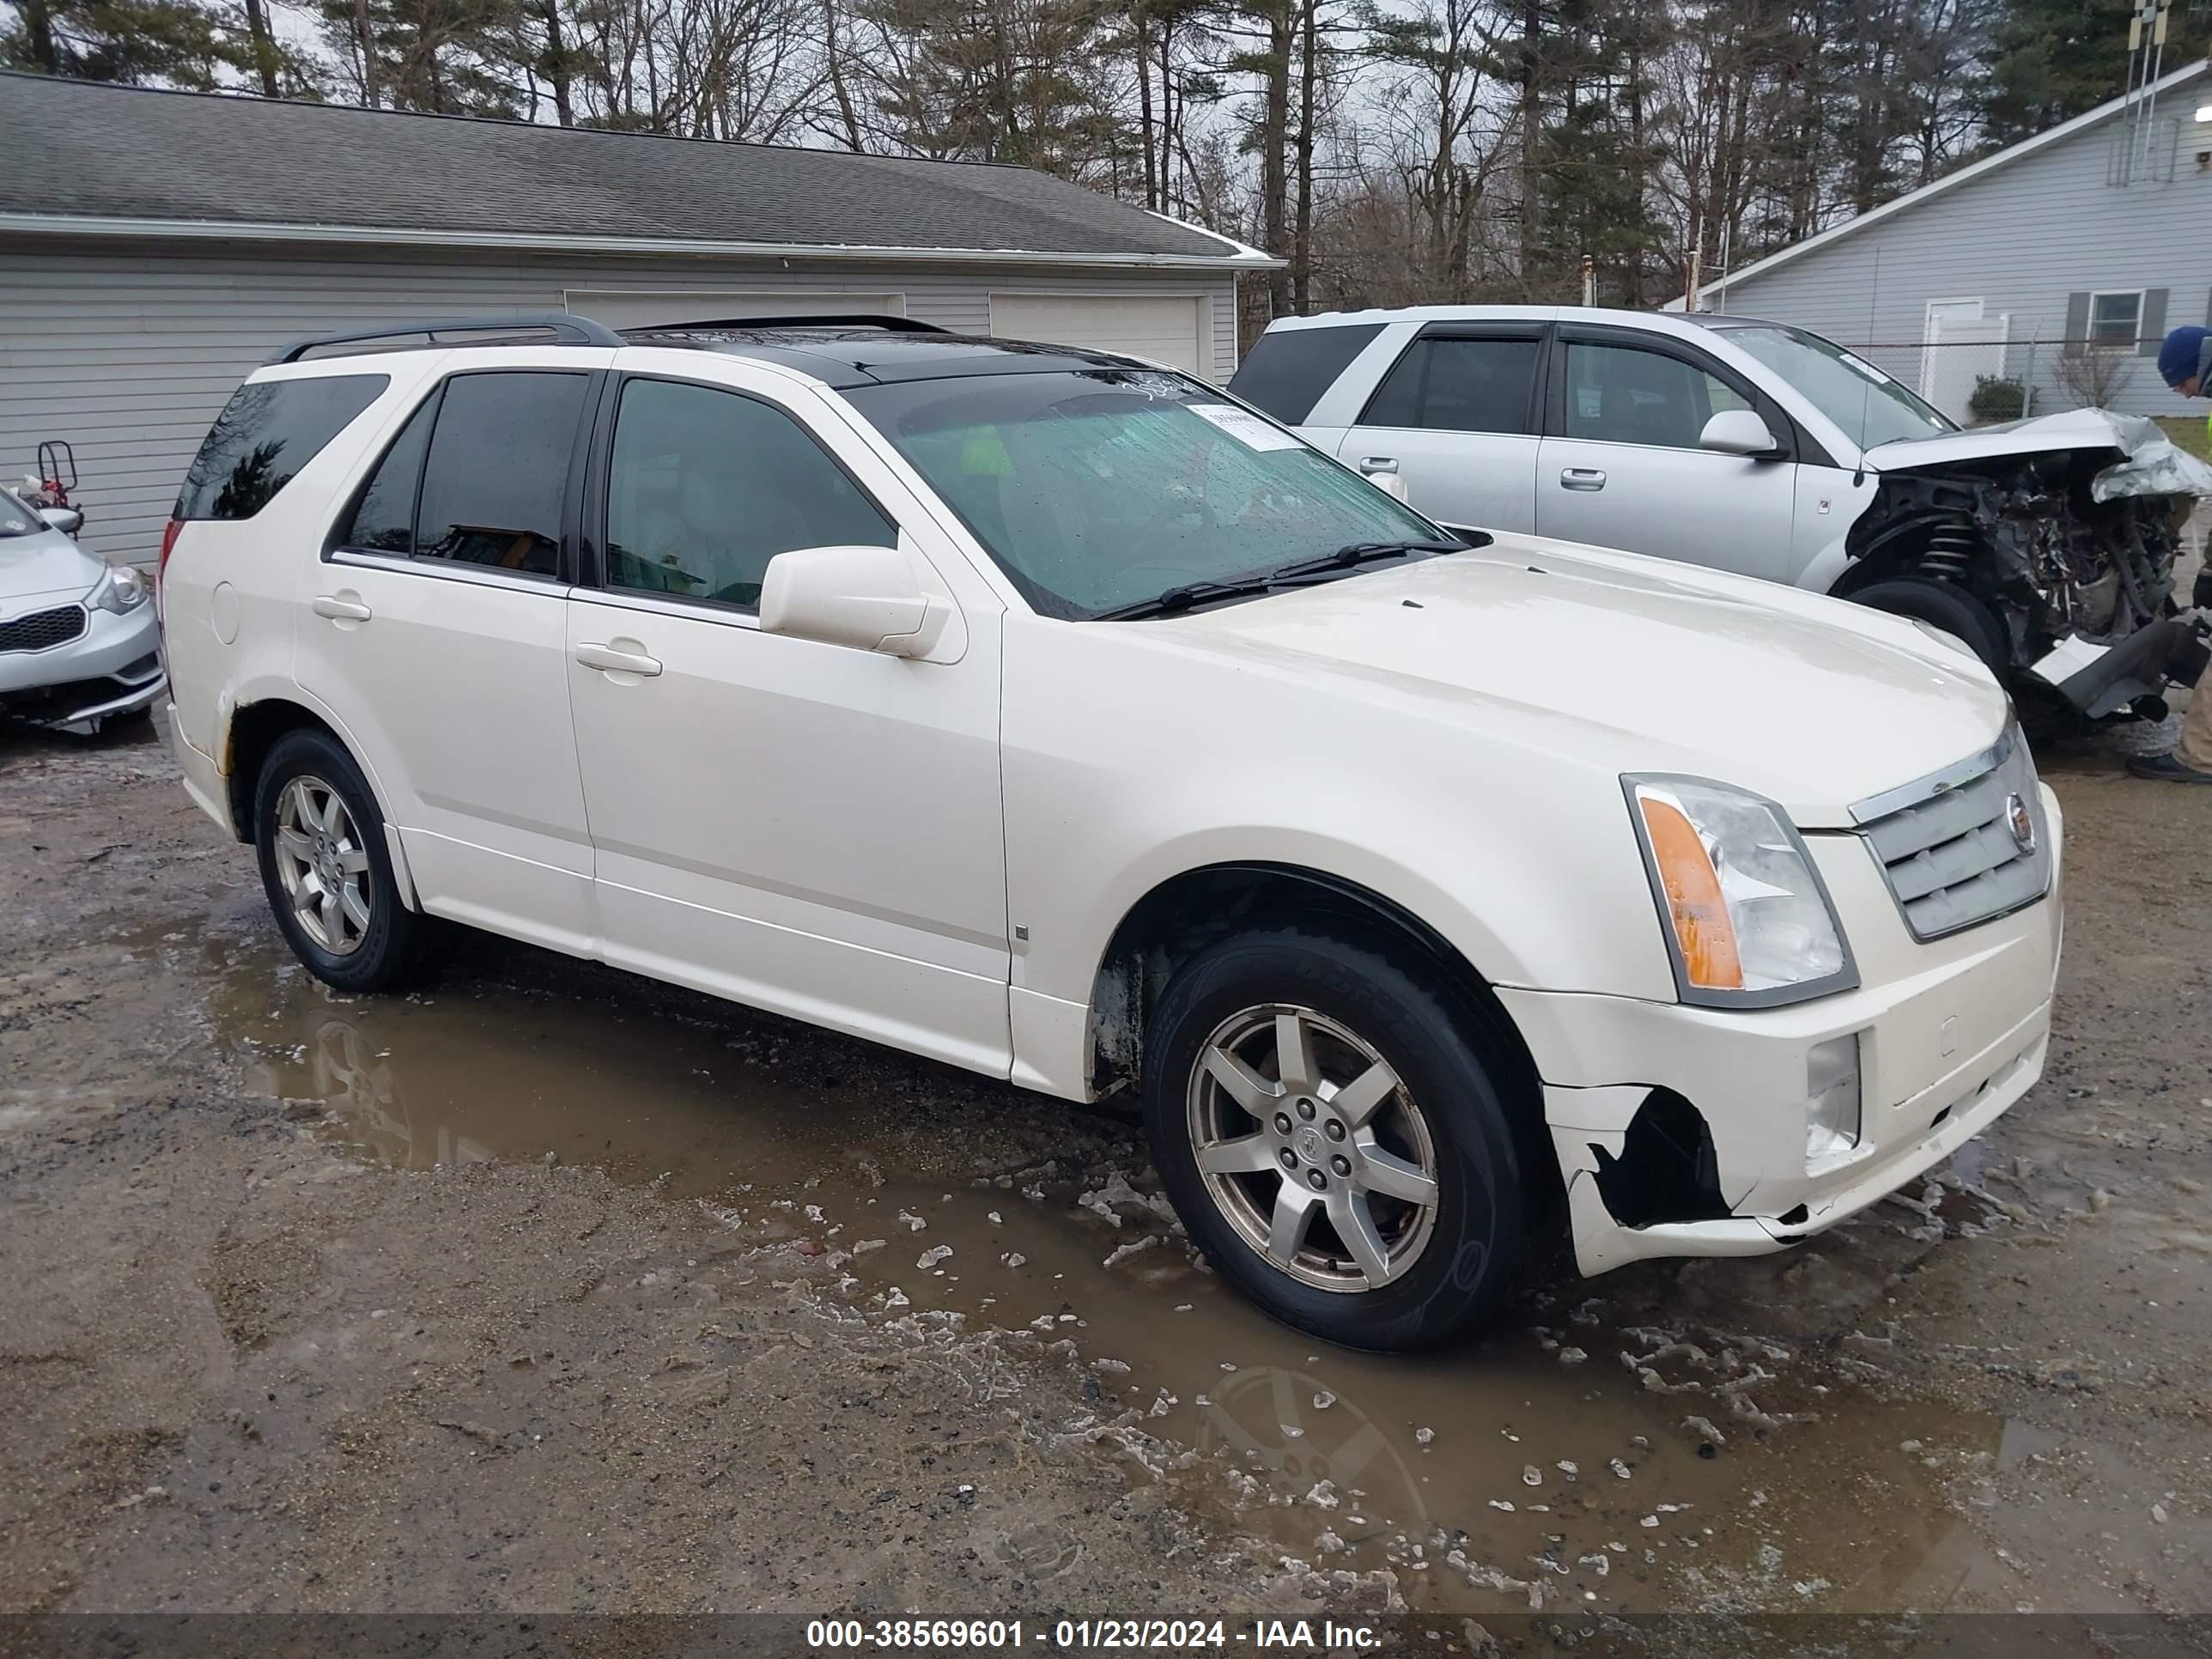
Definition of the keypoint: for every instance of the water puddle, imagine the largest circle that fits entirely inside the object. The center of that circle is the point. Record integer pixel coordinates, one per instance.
(1574, 1458)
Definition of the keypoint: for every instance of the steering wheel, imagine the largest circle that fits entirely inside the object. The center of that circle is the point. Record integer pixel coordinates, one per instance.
(1197, 506)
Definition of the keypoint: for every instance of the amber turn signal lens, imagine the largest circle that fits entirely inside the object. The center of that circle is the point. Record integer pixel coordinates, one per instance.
(1694, 904)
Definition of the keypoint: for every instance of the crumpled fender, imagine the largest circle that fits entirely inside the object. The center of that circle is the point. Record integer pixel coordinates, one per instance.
(2155, 464)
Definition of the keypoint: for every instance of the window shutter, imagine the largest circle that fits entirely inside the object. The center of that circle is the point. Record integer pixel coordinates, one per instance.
(2150, 330)
(2077, 325)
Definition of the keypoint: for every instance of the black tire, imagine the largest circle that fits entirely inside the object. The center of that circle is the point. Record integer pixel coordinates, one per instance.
(1478, 1238)
(1957, 612)
(397, 944)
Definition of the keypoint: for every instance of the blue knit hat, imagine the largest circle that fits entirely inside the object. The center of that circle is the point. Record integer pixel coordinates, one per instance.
(2178, 356)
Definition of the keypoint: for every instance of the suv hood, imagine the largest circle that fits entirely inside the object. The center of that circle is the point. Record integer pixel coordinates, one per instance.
(1635, 665)
(42, 565)
(2143, 460)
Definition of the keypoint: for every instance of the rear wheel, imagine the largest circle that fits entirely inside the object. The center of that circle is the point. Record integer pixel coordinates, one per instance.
(327, 871)
(1957, 612)
(1332, 1141)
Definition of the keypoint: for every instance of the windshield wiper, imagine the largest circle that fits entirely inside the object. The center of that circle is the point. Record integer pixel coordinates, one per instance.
(1300, 573)
(1353, 554)
(1176, 600)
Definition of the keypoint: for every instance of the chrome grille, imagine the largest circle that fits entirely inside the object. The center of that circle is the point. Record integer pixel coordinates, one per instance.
(1949, 846)
(43, 629)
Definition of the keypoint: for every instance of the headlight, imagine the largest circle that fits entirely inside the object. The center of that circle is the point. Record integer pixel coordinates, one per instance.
(120, 590)
(1748, 922)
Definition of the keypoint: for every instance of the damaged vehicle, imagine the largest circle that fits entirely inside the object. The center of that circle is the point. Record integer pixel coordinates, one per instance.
(2046, 545)
(1047, 714)
(78, 642)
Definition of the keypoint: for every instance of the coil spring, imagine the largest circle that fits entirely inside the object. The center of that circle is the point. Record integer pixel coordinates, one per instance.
(1952, 548)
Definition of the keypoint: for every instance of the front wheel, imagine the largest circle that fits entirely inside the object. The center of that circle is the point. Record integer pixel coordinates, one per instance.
(1954, 610)
(1332, 1141)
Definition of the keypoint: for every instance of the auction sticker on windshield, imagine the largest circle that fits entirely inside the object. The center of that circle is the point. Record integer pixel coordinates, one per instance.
(1243, 425)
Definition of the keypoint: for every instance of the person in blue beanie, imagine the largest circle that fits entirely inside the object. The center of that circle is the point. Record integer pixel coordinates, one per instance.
(2184, 363)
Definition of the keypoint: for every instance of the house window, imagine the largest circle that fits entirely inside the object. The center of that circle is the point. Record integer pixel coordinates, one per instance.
(2116, 319)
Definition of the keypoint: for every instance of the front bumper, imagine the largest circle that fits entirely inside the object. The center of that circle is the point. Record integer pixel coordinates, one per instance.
(112, 668)
(1951, 1033)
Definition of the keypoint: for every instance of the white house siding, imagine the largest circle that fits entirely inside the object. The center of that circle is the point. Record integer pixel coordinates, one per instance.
(2022, 238)
(129, 349)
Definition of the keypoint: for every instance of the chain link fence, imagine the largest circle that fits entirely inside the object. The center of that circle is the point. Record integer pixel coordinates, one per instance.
(1977, 375)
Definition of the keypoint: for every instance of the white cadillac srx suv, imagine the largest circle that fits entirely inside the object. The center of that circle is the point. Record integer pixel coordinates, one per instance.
(1049, 714)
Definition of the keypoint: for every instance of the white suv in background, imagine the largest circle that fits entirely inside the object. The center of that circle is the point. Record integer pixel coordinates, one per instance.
(1045, 713)
(1749, 445)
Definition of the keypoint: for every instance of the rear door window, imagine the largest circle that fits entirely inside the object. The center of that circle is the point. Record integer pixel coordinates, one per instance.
(479, 475)
(383, 519)
(497, 471)
(267, 432)
(1287, 371)
(1456, 384)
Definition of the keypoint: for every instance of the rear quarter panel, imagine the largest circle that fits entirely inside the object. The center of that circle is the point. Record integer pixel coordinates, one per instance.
(235, 591)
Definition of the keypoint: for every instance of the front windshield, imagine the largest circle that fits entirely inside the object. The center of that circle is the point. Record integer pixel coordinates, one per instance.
(1870, 407)
(1098, 488)
(16, 518)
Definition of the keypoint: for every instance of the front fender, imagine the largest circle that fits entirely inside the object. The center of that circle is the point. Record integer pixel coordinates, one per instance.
(1520, 857)
(1826, 568)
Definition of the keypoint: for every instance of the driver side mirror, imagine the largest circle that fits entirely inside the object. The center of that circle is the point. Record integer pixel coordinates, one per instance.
(67, 519)
(1740, 432)
(867, 597)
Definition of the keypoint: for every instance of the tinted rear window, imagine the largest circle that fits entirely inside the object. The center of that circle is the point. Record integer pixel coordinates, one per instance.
(1286, 372)
(268, 431)
(497, 469)
(383, 519)
(1455, 384)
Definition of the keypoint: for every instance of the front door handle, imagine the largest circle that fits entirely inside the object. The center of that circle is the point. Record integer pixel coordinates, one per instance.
(338, 609)
(618, 662)
(1372, 464)
(1582, 478)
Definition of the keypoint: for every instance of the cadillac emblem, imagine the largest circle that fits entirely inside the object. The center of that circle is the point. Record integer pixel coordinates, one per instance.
(2020, 822)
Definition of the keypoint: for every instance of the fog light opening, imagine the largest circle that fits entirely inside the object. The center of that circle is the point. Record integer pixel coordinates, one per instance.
(1832, 1098)
(1668, 1170)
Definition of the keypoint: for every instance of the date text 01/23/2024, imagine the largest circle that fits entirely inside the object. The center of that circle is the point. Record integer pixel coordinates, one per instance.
(1012, 1635)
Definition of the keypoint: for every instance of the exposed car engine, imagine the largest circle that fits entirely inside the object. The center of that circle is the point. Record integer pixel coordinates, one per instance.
(2068, 541)
(2024, 535)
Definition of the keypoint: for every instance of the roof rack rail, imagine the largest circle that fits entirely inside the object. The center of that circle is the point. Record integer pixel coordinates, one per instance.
(824, 319)
(565, 330)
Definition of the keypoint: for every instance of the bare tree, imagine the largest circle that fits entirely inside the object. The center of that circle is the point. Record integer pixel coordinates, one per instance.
(2095, 375)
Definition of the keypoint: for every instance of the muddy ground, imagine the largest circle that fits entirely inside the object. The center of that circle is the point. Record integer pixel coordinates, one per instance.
(549, 1289)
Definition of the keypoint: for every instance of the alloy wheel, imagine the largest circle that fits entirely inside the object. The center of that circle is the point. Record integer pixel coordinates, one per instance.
(323, 865)
(1313, 1148)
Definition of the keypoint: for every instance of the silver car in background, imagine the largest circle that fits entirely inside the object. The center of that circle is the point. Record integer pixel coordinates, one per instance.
(79, 642)
(2048, 545)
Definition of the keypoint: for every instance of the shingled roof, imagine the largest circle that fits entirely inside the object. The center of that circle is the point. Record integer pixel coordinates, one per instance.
(85, 155)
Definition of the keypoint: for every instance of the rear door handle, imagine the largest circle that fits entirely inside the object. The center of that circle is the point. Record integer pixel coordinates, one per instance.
(338, 609)
(618, 662)
(1374, 464)
(1582, 478)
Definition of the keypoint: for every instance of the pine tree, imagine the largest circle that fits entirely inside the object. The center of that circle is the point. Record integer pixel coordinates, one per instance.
(2053, 59)
(137, 42)
(1007, 80)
